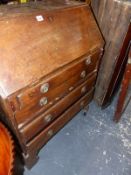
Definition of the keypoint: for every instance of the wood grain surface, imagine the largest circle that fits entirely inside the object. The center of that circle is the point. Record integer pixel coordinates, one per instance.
(54, 44)
(31, 49)
(113, 17)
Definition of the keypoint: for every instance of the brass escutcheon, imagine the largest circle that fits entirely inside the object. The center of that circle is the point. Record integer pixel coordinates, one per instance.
(88, 60)
(50, 133)
(43, 101)
(48, 118)
(83, 89)
(44, 88)
(83, 74)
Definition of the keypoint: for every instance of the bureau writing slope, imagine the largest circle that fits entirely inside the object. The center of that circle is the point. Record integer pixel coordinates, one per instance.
(49, 57)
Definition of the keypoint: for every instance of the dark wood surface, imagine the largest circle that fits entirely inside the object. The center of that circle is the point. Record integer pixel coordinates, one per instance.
(28, 102)
(59, 39)
(124, 89)
(46, 67)
(46, 134)
(118, 70)
(113, 17)
(46, 118)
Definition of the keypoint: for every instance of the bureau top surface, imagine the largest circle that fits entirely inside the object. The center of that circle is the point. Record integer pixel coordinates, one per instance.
(38, 42)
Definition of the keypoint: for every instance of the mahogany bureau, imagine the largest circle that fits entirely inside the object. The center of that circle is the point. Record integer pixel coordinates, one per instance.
(49, 58)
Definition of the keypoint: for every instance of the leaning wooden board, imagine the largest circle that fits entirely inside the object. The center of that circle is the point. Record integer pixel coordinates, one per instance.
(49, 55)
(113, 17)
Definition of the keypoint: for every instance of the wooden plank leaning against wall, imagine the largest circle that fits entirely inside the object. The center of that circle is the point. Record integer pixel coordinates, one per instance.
(113, 17)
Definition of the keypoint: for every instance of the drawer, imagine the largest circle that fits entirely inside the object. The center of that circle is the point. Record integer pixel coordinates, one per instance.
(41, 139)
(54, 85)
(23, 118)
(43, 120)
(47, 93)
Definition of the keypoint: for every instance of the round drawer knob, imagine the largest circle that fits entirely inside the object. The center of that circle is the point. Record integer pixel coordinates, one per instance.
(50, 133)
(88, 60)
(44, 88)
(43, 101)
(83, 74)
(83, 89)
(48, 118)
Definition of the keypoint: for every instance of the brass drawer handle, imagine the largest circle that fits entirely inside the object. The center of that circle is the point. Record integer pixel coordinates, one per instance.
(48, 118)
(43, 101)
(83, 74)
(50, 133)
(44, 88)
(88, 60)
(83, 89)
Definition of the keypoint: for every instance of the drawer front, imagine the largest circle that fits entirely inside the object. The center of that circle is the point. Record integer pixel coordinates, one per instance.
(34, 100)
(46, 134)
(43, 120)
(23, 118)
(53, 86)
